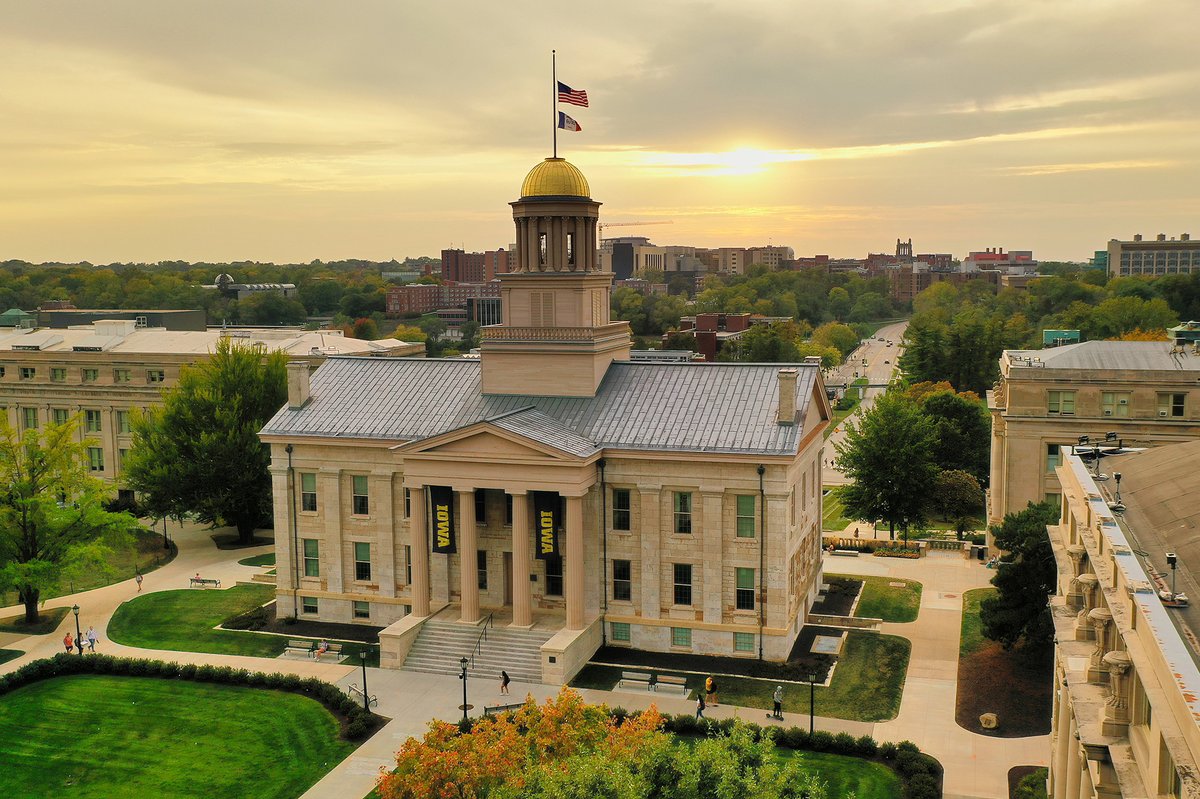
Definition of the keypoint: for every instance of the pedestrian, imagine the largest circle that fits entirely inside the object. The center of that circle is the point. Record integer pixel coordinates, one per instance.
(778, 697)
(138, 580)
(321, 648)
(68, 642)
(856, 532)
(92, 638)
(699, 706)
(710, 688)
(504, 681)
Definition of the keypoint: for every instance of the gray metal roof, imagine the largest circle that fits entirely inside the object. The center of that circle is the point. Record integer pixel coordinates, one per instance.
(1154, 356)
(696, 407)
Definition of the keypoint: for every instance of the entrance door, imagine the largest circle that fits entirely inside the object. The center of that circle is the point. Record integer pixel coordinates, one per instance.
(508, 578)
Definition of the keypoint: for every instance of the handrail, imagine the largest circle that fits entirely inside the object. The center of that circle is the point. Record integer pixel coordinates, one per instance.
(482, 637)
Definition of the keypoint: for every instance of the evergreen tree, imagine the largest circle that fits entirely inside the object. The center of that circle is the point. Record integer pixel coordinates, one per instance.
(1025, 578)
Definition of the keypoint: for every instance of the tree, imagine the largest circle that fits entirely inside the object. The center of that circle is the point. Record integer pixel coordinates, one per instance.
(962, 428)
(271, 308)
(434, 327)
(839, 302)
(1025, 578)
(199, 452)
(51, 510)
(957, 497)
(888, 456)
(470, 336)
(365, 329)
(842, 338)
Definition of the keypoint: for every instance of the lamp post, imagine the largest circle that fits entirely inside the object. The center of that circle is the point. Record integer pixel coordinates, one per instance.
(78, 633)
(812, 695)
(463, 677)
(362, 656)
(166, 541)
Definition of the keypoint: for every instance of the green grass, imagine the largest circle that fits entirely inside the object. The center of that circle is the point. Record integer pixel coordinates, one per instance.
(183, 621)
(972, 628)
(266, 559)
(847, 775)
(833, 516)
(10, 654)
(881, 600)
(135, 736)
(48, 621)
(1032, 786)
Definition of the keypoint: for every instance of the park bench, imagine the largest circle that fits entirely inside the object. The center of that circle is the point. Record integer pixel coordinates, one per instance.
(675, 682)
(334, 649)
(845, 553)
(204, 582)
(490, 709)
(640, 677)
(299, 646)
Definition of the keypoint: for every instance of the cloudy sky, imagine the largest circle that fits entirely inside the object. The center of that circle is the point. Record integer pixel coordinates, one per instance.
(288, 131)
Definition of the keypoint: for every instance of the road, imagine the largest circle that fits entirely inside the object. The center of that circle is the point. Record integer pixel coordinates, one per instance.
(881, 365)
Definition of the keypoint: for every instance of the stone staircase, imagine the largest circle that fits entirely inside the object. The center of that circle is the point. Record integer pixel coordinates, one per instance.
(440, 645)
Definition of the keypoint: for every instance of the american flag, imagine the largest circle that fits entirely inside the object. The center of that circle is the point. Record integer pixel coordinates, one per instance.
(573, 96)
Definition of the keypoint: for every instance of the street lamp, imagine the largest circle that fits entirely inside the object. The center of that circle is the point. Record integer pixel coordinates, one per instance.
(463, 677)
(812, 694)
(78, 634)
(166, 541)
(362, 655)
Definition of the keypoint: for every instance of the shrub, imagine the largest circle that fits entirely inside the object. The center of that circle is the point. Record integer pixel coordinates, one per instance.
(910, 764)
(866, 746)
(820, 741)
(845, 744)
(357, 730)
(922, 786)
(887, 750)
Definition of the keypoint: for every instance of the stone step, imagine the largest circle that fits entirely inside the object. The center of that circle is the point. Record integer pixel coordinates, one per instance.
(440, 646)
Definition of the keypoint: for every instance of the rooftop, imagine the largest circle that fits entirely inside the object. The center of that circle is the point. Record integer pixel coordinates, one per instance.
(1149, 356)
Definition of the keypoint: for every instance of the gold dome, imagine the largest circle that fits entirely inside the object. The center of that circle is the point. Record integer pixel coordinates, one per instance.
(555, 177)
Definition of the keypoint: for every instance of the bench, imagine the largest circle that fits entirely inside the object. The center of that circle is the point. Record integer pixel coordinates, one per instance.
(334, 649)
(640, 677)
(297, 645)
(491, 709)
(204, 582)
(678, 682)
(845, 553)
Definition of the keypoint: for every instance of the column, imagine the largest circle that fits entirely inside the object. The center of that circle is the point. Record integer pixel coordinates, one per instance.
(651, 539)
(1097, 671)
(1063, 740)
(281, 496)
(418, 542)
(1116, 709)
(1074, 764)
(1087, 587)
(714, 585)
(468, 543)
(522, 595)
(333, 555)
(384, 557)
(573, 567)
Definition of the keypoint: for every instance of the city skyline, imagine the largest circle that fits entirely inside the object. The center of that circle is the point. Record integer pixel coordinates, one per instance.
(291, 132)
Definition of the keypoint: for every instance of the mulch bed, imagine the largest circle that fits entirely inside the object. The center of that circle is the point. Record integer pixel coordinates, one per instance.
(1017, 686)
(231, 541)
(1016, 774)
(263, 619)
(840, 597)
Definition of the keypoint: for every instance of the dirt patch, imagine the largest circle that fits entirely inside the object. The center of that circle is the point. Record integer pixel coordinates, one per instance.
(840, 597)
(263, 619)
(1017, 686)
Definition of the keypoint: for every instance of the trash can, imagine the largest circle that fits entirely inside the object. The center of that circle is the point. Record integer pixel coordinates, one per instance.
(980, 551)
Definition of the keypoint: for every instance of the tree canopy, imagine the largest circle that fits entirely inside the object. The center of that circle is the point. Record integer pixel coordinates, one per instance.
(1025, 577)
(962, 428)
(199, 453)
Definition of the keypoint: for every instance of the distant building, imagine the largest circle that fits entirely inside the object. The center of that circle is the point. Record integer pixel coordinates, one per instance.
(1014, 262)
(1162, 256)
(462, 267)
(420, 298)
(227, 286)
(168, 319)
(16, 318)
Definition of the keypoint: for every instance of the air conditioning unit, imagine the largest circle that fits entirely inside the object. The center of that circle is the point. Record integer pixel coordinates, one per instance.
(1162, 412)
(1108, 411)
(1123, 401)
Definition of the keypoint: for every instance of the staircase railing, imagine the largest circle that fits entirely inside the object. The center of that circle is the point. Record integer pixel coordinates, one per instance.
(482, 637)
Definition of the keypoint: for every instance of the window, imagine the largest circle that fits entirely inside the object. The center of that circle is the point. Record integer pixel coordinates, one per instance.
(95, 459)
(571, 248)
(1171, 404)
(481, 567)
(58, 374)
(155, 376)
(2, 371)
(407, 565)
(620, 509)
(121, 376)
(91, 421)
(29, 418)
(1053, 457)
(1061, 403)
(480, 506)
(681, 636)
(743, 642)
(91, 375)
(28, 372)
(61, 415)
(683, 512)
(407, 503)
(362, 561)
(308, 492)
(308, 605)
(554, 576)
(542, 248)
(1115, 403)
(745, 589)
(508, 501)
(362, 610)
(683, 584)
(312, 559)
(620, 631)
(745, 516)
(622, 584)
(361, 504)
(122, 421)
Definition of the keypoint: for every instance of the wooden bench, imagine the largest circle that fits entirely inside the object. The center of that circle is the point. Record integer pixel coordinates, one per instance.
(677, 682)
(204, 582)
(297, 645)
(334, 649)
(490, 709)
(640, 677)
(845, 553)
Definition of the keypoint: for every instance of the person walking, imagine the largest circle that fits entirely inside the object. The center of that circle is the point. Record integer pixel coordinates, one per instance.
(79, 644)
(699, 706)
(92, 638)
(138, 580)
(710, 688)
(778, 697)
(504, 681)
(68, 642)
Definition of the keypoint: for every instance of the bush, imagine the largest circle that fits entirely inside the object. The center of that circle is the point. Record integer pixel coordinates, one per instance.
(357, 730)
(866, 746)
(922, 786)
(887, 750)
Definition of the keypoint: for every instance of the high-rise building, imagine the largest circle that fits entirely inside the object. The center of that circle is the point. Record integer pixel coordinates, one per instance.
(1162, 256)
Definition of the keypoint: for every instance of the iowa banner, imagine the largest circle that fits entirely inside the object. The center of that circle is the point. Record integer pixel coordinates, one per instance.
(547, 521)
(441, 507)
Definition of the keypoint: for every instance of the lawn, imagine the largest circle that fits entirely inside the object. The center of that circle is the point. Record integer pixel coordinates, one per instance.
(848, 775)
(832, 511)
(183, 621)
(266, 559)
(10, 654)
(867, 682)
(134, 736)
(882, 600)
(972, 628)
(48, 621)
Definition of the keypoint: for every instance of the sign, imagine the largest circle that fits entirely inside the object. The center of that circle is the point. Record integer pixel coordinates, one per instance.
(441, 507)
(547, 522)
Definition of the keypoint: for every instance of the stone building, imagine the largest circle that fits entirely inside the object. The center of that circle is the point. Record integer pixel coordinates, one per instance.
(553, 490)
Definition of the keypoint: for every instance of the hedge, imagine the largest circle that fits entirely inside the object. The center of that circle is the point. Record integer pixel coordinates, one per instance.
(356, 723)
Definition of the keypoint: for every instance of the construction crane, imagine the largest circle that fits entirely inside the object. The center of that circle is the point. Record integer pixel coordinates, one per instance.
(603, 225)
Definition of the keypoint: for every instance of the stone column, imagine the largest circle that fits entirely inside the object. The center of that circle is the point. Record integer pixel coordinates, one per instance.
(385, 510)
(281, 495)
(573, 567)
(1100, 618)
(1063, 740)
(1074, 767)
(650, 539)
(1085, 782)
(522, 600)
(713, 584)
(333, 555)
(1116, 709)
(468, 544)
(1074, 595)
(1087, 589)
(418, 542)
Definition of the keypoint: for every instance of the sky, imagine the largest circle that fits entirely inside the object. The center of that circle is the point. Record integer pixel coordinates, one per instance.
(290, 131)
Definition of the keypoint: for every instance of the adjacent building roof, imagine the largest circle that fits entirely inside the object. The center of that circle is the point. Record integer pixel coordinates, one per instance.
(1151, 356)
(728, 408)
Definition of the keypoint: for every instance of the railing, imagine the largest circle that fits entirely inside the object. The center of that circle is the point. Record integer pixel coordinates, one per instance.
(504, 333)
(357, 692)
(482, 637)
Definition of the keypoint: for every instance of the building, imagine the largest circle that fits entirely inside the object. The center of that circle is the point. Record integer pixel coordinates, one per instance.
(229, 287)
(421, 298)
(907, 280)
(553, 489)
(1146, 392)
(1126, 671)
(1162, 256)
(1014, 262)
(463, 267)
(16, 318)
(58, 318)
(106, 369)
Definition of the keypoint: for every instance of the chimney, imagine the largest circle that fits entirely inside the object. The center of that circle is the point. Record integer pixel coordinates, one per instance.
(1161, 237)
(297, 384)
(787, 396)
(1185, 236)
(1137, 237)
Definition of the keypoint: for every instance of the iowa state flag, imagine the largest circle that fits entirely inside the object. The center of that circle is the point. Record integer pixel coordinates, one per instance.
(566, 123)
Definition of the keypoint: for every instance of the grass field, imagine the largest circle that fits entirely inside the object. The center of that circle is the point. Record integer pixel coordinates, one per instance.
(832, 511)
(848, 775)
(972, 629)
(266, 559)
(47, 621)
(881, 600)
(9, 654)
(183, 620)
(134, 736)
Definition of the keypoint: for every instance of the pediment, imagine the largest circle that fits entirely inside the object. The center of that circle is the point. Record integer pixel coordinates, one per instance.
(486, 442)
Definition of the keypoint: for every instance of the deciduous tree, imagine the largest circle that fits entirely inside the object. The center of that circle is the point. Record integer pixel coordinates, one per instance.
(957, 497)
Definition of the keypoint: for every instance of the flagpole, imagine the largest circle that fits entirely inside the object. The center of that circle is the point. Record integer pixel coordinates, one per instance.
(554, 94)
